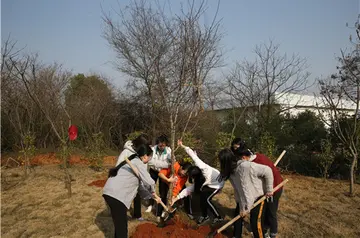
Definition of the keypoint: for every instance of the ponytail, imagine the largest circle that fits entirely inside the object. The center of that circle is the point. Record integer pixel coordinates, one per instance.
(228, 163)
(196, 176)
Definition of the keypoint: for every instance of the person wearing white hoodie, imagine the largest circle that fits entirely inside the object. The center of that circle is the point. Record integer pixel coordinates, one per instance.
(161, 159)
(206, 183)
(129, 149)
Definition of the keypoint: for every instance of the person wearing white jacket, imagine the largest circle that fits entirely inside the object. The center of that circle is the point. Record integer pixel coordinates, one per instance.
(129, 149)
(206, 183)
(161, 159)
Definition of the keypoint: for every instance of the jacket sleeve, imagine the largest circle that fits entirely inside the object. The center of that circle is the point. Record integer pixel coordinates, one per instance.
(245, 201)
(186, 192)
(265, 172)
(144, 192)
(198, 162)
(145, 179)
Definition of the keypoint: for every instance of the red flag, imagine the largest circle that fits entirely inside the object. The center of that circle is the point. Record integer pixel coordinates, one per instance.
(73, 131)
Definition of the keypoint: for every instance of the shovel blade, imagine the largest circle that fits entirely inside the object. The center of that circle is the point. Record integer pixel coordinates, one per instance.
(161, 224)
(170, 215)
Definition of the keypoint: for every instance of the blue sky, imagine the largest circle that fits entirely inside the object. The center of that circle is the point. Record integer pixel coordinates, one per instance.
(70, 31)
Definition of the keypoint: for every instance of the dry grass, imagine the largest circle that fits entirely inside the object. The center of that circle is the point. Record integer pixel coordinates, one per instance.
(38, 206)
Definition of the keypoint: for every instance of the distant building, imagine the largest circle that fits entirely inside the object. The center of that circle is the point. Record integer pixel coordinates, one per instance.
(294, 104)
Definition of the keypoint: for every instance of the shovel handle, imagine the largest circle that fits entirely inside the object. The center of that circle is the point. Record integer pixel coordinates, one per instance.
(254, 205)
(280, 157)
(137, 175)
(161, 203)
(132, 167)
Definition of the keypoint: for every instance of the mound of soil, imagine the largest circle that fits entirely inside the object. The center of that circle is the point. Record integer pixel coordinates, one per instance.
(98, 183)
(174, 229)
(44, 159)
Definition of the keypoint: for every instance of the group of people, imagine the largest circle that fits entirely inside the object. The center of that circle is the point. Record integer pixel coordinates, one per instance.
(252, 176)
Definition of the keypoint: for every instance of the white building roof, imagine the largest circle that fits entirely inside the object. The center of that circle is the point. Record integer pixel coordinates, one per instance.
(292, 100)
(309, 101)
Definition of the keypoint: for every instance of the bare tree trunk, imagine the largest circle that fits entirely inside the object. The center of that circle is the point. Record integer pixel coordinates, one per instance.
(27, 166)
(352, 175)
(172, 136)
(153, 127)
(67, 174)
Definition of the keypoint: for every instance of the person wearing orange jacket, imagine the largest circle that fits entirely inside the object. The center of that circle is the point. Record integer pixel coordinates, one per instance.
(179, 179)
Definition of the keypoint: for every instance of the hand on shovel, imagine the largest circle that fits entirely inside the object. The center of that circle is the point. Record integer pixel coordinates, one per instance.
(173, 201)
(156, 198)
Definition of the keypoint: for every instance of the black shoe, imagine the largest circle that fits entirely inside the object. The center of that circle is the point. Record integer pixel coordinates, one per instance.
(202, 220)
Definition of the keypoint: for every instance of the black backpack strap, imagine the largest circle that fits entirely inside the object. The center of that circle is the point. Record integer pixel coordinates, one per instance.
(124, 162)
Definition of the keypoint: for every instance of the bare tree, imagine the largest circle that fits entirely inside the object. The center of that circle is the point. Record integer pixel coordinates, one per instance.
(342, 90)
(168, 57)
(141, 40)
(260, 83)
(16, 106)
(45, 86)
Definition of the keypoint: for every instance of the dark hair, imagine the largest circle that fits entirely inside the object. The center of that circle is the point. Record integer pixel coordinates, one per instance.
(185, 166)
(196, 176)
(237, 141)
(143, 149)
(162, 139)
(242, 152)
(228, 163)
(140, 140)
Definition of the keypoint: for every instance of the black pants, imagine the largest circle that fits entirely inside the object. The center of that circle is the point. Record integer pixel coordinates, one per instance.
(256, 221)
(137, 207)
(118, 213)
(206, 195)
(163, 191)
(271, 213)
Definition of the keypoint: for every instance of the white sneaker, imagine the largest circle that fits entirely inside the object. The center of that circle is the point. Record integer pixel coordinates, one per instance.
(158, 219)
(149, 209)
(163, 214)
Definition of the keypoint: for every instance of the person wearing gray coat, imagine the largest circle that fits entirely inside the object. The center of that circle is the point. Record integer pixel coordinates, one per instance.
(250, 181)
(123, 184)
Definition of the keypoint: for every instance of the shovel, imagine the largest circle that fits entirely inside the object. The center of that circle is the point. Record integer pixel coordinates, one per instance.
(238, 216)
(169, 214)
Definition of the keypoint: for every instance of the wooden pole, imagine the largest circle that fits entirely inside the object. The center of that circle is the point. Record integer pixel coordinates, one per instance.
(280, 157)
(254, 205)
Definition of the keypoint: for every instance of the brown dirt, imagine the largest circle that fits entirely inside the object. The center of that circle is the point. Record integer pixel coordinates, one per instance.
(45, 159)
(98, 183)
(50, 158)
(39, 207)
(174, 229)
